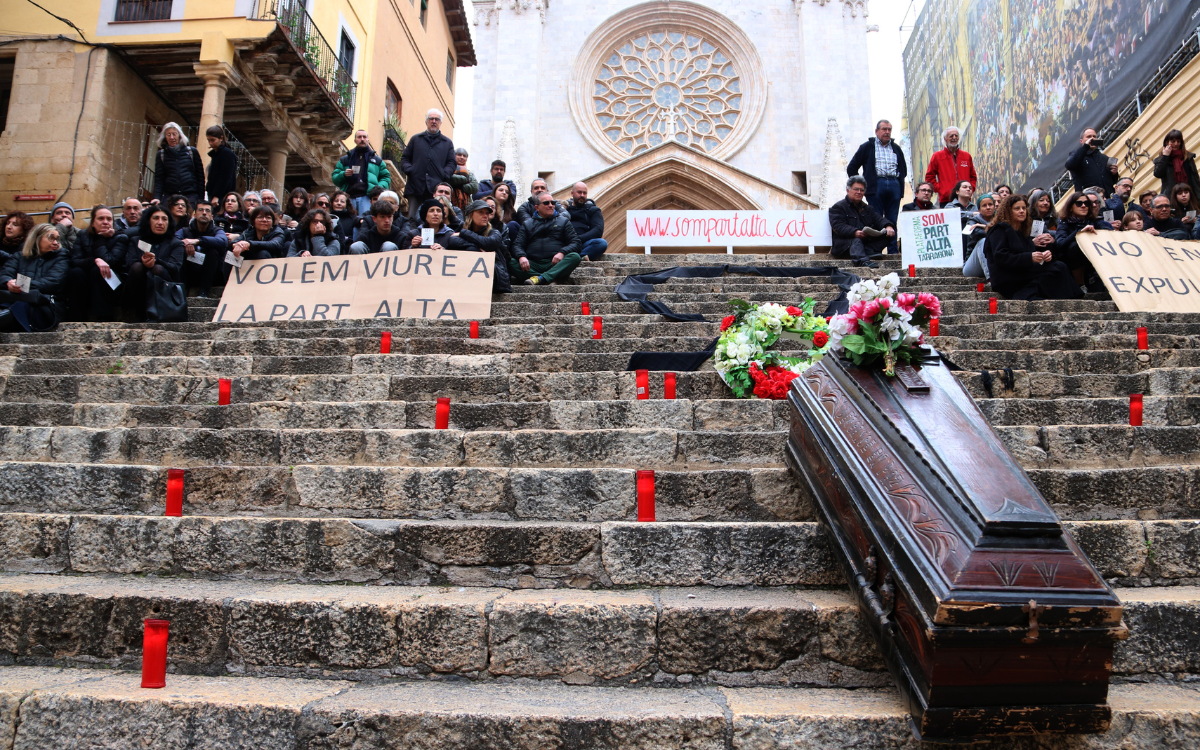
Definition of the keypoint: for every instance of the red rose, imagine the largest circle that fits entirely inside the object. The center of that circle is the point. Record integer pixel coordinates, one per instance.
(794, 311)
(820, 338)
(726, 322)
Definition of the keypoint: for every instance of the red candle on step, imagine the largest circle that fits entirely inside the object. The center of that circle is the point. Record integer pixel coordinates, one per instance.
(993, 306)
(174, 492)
(1135, 410)
(597, 327)
(474, 329)
(385, 343)
(645, 495)
(1143, 338)
(912, 270)
(441, 414)
(933, 326)
(979, 287)
(154, 653)
(223, 389)
(669, 385)
(585, 308)
(642, 378)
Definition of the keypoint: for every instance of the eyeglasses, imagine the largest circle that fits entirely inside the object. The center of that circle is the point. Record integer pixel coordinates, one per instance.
(1163, 207)
(1081, 202)
(545, 203)
(322, 204)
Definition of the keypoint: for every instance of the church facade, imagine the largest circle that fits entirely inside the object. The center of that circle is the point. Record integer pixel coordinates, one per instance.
(759, 94)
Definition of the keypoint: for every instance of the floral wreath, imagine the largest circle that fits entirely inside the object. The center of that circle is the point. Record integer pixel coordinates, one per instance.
(742, 357)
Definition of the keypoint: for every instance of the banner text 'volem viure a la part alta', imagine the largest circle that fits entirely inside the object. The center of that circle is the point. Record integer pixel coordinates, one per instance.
(421, 283)
(1145, 273)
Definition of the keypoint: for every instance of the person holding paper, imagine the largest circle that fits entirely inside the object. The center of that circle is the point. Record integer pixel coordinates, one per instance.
(883, 167)
(1078, 215)
(152, 249)
(359, 171)
(31, 281)
(314, 236)
(204, 245)
(1041, 208)
(1116, 204)
(478, 235)
(432, 232)
(1020, 269)
(264, 240)
(858, 230)
(1184, 205)
(383, 234)
(92, 276)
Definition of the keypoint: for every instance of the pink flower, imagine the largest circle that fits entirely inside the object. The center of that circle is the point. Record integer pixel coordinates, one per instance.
(884, 303)
(869, 311)
(931, 303)
(907, 302)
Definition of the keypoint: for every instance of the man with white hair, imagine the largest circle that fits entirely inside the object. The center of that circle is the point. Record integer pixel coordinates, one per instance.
(268, 197)
(428, 161)
(950, 166)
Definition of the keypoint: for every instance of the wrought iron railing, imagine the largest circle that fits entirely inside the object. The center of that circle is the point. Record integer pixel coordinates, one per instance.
(1120, 122)
(310, 44)
(142, 10)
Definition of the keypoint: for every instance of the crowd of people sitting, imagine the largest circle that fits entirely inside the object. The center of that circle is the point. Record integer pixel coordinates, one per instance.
(1019, 242)
(57, 271)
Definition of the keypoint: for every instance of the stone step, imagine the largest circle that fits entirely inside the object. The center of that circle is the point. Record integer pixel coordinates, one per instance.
(1157, 410)
(381, 492)
(718, 635)
(1065, 362)
(644, 448)
(521, 554)
(1178, 381)
(1101, 446)
(951, 345)
(731, 635)
(1032, 330)
(76, 709)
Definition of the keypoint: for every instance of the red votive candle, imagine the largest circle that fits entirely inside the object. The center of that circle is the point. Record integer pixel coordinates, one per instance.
(993, 306)
(474, 329)
(645, 495)
(933, 326)
(385, 343)
(669, 385)
(912, 270)
(979, 287)
(441, 414)
(643, 384)
(597, 327)
(1135, 410)
(223, 389)
(1143, 338)
(174, 492)
(154, 653)
(585, 308)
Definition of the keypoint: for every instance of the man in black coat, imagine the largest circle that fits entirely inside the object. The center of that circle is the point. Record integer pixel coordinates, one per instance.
(849, 219)
(883, 166)
(427, 161)
(547, 249)
(1089, 166)
(529, 208)
(922, 199)
(1163, 224)
(222, 164)
(489, 186)
(588, 222)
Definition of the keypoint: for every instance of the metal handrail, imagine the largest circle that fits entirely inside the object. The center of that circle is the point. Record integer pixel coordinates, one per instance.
(312, 47)
(1125, 117)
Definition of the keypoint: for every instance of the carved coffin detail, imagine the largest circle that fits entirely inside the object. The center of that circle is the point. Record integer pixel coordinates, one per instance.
(990, 618)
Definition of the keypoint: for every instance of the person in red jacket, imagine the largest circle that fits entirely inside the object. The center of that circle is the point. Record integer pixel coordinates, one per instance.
(949, 166)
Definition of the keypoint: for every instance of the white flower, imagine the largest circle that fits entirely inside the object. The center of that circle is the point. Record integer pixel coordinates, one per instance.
(889, 285)
(863, 291)
(762, 335)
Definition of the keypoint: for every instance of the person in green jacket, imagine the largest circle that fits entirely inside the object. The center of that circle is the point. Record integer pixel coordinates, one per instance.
(359, 171)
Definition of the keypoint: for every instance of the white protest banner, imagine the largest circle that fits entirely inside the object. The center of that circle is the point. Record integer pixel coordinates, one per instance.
(401, 284)
(931, 239)
(727, 229)
(1145, 273)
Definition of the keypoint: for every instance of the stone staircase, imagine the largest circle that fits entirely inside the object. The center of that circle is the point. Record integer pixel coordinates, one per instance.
(345, 576)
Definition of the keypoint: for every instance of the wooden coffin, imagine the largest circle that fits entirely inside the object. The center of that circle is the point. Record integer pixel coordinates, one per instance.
(991, 619)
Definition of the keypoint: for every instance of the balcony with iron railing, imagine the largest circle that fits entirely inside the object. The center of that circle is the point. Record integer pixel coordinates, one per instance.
(313, 49)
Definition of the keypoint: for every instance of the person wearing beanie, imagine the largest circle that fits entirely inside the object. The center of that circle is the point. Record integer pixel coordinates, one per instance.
(62, 216)
(433, 216)
(480, 236)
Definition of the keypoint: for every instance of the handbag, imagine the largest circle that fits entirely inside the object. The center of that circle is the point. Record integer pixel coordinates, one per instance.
(166, 301)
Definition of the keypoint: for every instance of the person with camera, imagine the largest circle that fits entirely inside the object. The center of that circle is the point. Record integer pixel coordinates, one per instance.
(1089, 166)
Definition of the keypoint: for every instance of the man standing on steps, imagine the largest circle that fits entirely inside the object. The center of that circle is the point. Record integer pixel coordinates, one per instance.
(950, 166)
(883, 167)
(588, 222)
(1089, 166)
(546, 250)
(858, 230)
(360, 171)
(428, 160)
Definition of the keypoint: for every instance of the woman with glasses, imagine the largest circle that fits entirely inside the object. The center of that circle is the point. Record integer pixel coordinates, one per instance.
(1079, 215)
(1019, 268)
(44, 261)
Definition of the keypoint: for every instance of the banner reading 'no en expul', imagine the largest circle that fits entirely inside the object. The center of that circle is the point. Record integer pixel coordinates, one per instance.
(439, 285)
(1144, 273)
(1023, 78)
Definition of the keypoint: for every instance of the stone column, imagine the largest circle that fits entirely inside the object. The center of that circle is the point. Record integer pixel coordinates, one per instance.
(217, 78)
(277, 156)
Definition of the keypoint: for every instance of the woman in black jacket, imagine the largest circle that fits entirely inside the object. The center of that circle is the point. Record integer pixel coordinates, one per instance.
(152, 249)
(16, 229)
(95, 259)
(314, 235)
(1176, 164)
(44, 262)
(298, 204)
(1078, 215)
(342, 208)
(177, 168)
(222, 164)
(433, 217)
(480, 236)
(263, 240)
(1041, 206)
(231, 218)
(1018, 268)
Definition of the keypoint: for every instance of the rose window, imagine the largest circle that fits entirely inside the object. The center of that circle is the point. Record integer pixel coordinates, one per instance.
(667, 85)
